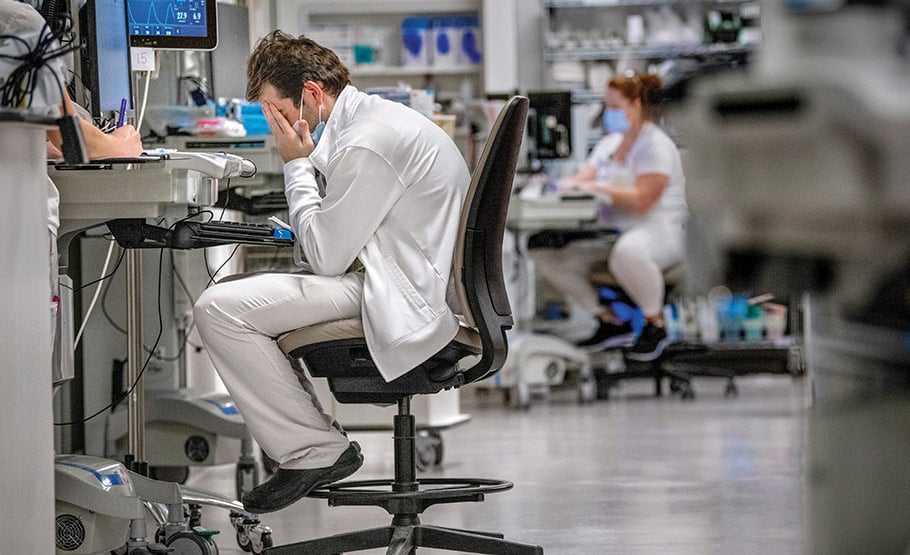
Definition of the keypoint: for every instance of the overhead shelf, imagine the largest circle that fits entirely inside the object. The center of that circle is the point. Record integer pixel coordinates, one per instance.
(618, 3)
(347, 7)
(640, 52)
(405, 71)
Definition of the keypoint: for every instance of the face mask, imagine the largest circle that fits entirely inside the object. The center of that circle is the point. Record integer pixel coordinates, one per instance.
(615, 121)
(317, 131)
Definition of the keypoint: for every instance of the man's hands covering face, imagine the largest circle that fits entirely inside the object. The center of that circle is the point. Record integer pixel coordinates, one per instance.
(291, 144)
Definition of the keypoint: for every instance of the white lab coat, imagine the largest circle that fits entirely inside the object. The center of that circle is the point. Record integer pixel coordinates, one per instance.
(394, 188)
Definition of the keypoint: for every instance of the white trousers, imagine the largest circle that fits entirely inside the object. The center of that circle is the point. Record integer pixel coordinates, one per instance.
(239, 321)
(636, 259)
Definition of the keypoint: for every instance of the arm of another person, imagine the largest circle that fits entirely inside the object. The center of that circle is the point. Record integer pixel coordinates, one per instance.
(122, 142)
(651, 165)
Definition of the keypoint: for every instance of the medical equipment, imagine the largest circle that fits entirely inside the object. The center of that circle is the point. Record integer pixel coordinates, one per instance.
(537, 361)
(807, 156)
(165, 24)
(189, 428)
(104, 63)
(101, 507)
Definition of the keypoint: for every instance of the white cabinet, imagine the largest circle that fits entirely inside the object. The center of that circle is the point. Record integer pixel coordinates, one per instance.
(367, 35)
(585, 41)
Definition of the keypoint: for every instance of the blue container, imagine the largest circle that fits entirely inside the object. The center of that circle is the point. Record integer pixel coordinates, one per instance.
(253, 119)
(415, 37)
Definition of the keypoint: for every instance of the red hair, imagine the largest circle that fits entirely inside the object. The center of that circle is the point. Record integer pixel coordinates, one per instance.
(641, 86)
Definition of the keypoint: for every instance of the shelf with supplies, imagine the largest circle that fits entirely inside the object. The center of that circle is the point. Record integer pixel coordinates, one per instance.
(586, 41)
(619, 3)
(349, 7)
(426, 44)
(667, 51)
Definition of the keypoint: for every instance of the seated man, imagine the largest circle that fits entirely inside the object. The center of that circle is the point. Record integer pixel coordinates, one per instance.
(367, 181)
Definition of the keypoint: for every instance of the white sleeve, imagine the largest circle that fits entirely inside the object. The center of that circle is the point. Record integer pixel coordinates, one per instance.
(653, 157)
(333, 230)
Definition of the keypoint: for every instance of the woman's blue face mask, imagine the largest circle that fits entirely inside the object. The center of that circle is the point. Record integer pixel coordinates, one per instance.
(615, 121)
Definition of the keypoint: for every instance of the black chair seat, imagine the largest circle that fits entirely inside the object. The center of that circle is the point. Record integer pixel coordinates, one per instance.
(338, 351)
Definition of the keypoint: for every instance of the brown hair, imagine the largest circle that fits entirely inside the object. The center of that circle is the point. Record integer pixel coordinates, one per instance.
(643, 86)
(287, 63)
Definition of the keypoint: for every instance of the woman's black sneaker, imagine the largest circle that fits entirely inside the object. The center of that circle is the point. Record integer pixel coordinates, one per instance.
(650, 345)
(609, 336)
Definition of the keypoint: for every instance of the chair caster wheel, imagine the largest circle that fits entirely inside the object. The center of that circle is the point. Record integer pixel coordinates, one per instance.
(251, 536)
(676, 385)
(587, 390)
(428, 450)
(688, 394)
(192, 543)
(731, 390)
(246, 478)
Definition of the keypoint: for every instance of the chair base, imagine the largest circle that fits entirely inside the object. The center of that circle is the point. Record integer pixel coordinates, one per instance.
(405, 537)
(676, 366)
(405, 497)
(680, 382)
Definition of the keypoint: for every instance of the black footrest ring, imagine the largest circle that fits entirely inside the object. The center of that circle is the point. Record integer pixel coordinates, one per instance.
(436, 488)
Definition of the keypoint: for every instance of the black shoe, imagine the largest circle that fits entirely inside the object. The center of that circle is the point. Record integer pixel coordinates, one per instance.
(650, 345)
(287, 486)
(608, 336)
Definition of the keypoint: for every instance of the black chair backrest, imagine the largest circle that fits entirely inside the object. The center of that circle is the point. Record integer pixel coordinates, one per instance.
(482, 289)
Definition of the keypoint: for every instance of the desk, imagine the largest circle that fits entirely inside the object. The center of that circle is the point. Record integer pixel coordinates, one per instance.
(92, 195)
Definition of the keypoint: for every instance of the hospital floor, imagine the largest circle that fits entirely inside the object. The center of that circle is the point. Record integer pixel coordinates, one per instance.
(632, 474)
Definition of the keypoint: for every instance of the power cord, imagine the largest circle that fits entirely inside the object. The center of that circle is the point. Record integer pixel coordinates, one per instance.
(144, 365)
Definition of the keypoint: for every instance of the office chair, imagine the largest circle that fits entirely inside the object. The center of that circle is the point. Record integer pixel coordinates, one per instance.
(337, 351)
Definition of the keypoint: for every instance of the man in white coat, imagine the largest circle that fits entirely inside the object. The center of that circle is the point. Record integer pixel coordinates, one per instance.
(375, 193)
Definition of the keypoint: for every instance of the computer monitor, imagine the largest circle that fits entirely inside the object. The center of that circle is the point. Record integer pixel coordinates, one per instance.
(550, 125)
(173, 24)
(105, 60)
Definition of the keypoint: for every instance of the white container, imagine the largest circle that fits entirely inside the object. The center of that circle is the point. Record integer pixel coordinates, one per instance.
(635, 29)
(707, 321)
(446, 41)
(416, 35)
(338, 38)
(469, 49)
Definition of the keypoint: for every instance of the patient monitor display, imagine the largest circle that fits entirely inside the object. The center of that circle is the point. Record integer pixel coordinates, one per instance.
(105, 61)
(173, 24)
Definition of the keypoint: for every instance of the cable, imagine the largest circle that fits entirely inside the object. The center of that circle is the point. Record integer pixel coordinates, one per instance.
(144, 365)
(145, 96)
(91, 306)
(19, 88)
(102, 278)
(212, 275)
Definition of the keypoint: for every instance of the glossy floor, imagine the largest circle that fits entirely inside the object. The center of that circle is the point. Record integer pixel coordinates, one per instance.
(634, 474)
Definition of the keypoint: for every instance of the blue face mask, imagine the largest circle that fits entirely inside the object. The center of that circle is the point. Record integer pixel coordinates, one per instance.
(316, 133)
(615, 121)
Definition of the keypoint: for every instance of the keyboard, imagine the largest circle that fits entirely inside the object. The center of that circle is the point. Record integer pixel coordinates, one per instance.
(207, 234)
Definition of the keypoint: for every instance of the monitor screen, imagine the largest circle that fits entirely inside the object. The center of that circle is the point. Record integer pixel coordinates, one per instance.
(105, 61)
(550, 124)
(173, 24)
